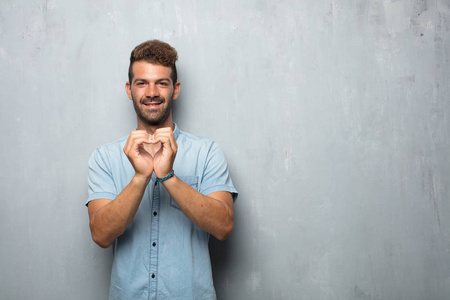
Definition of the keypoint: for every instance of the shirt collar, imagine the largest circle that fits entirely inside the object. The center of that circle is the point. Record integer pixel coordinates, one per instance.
(176, 131)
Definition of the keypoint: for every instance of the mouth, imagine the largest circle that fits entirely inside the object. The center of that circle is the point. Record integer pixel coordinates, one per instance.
(152, 104)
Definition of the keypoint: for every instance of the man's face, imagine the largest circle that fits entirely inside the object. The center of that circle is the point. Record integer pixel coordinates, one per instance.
(152, 92)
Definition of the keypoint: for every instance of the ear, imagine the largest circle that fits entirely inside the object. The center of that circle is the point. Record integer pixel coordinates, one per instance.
(176, 90)
(128, 89)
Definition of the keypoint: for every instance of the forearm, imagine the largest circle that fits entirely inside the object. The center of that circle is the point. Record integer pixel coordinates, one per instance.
(112, 219)
(210, 214)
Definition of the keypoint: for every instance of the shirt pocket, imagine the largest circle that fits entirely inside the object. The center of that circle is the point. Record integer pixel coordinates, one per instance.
(192, 181)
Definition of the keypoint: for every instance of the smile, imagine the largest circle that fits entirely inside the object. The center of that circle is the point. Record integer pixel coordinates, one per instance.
(152, 104)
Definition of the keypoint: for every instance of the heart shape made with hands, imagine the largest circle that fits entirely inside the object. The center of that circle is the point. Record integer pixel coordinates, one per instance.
(152, 148)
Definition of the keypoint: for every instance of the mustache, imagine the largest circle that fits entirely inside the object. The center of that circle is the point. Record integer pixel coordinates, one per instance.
(152, 100)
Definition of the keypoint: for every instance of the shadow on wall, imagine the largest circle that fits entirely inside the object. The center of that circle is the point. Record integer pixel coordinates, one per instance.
(221, 258)
(224, 255)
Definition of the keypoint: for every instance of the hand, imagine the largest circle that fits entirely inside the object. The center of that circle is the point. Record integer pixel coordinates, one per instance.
(139, 157)
(165, 156)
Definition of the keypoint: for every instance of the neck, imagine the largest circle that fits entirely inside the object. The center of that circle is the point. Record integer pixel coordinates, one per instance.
(151, 128)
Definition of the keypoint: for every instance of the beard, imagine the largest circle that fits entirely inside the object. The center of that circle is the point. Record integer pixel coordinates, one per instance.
(154, 117)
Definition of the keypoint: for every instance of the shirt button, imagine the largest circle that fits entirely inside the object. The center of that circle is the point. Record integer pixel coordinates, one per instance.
(155, 213)
(153, 275)
(154, 244)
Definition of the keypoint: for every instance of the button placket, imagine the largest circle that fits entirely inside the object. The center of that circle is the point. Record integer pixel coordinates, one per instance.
(154, 236)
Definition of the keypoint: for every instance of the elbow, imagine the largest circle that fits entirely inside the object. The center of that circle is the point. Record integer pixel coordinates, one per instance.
(101, 242)
(225, 231)
(99, 238)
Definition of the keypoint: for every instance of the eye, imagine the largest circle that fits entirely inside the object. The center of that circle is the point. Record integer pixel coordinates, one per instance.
(163, 83)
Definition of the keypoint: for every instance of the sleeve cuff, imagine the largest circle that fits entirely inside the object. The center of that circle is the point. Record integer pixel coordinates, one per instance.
(221, 188)
(96, 196)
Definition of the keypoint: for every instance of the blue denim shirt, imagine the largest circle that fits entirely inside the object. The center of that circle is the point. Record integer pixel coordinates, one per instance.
(162, 254)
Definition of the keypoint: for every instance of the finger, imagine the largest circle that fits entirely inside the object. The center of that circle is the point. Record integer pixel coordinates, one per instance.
(136, 134)
(137, 146)
(152, 140)
(134, 143)
(167, 144)
(166, 137)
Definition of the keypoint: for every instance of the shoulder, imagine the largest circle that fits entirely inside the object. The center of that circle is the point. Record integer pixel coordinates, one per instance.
(113, 146)
(110, 151)
(186, 139)
(201, 148)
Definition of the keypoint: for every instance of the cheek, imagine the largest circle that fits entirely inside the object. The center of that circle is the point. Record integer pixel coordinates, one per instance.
(135, 95)
(170, 94)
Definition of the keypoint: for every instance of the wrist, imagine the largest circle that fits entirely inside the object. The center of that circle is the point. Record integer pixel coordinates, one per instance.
(170, 182)
(170, 175)
(140, 179)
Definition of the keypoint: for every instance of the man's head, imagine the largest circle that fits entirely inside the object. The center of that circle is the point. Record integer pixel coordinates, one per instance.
(156, 53)
(153, 84)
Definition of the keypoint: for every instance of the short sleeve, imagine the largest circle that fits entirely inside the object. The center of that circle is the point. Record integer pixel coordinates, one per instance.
(216, 176)
(100, 179)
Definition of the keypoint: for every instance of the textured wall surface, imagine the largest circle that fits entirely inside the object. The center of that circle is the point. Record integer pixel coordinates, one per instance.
(334, 116)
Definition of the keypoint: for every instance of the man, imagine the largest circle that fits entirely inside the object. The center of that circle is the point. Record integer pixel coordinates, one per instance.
(159, 193)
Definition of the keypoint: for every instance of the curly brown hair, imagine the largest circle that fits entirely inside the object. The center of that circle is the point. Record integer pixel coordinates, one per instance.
(155, 52)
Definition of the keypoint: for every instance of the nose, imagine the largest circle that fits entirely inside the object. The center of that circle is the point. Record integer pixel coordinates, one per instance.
(152, 91)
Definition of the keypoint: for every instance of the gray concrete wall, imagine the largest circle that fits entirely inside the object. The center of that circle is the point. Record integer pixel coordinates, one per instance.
(334, 116)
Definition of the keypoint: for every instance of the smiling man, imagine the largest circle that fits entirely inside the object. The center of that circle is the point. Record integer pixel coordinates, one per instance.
(157, 194)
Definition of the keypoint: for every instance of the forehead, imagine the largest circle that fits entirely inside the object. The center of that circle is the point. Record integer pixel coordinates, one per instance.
(148, 71)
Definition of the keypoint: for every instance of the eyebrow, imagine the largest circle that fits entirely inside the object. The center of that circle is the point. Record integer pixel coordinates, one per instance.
(157, 80)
